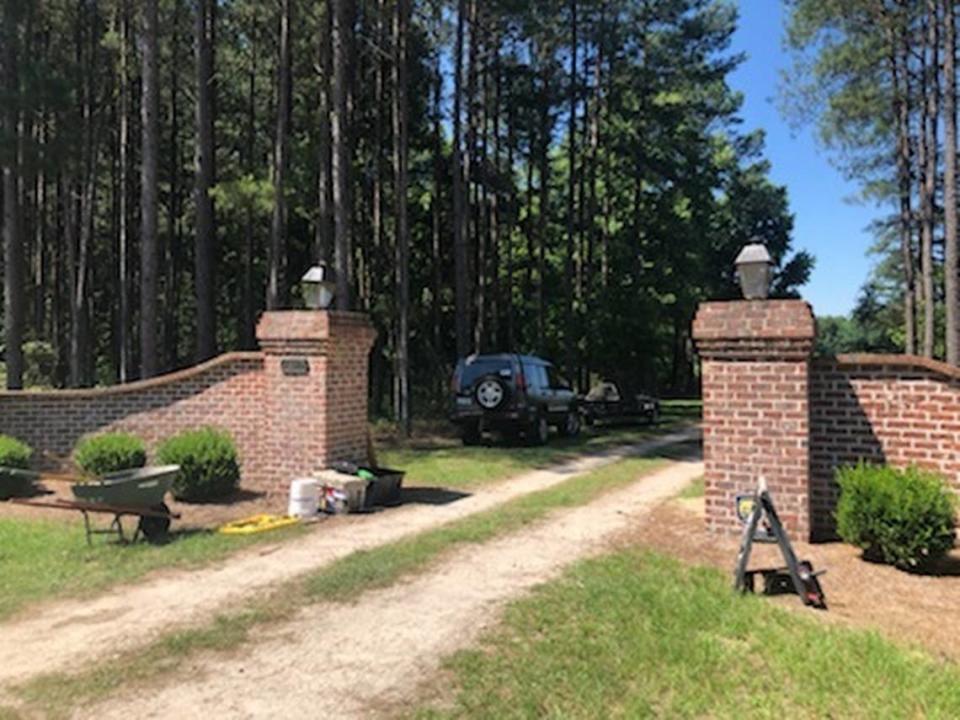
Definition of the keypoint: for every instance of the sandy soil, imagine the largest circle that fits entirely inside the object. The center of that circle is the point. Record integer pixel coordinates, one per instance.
(907, 608)
(349, 661)
(71, 633)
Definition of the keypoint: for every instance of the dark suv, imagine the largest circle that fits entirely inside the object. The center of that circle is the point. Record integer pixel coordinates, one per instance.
(513, 394)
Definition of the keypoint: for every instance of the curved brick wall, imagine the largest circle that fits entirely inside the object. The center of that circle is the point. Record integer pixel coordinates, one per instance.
(297, 406)
(897, 409)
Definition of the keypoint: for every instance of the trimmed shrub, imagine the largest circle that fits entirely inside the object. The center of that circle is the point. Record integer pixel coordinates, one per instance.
(209, 468)
(110, 452)
(905, 518)
(14, 453)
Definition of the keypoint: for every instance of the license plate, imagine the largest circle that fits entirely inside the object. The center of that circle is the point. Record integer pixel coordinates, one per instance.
(464, 402)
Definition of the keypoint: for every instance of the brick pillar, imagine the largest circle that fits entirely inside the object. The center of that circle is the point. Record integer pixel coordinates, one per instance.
(756, 411)
(315, 390)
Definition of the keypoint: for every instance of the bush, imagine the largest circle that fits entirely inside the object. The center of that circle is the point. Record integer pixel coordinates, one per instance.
(14, 453)
(209, 467)
(110, 452)
(905, 518)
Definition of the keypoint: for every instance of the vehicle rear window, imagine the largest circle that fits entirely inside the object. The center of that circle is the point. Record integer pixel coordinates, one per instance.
(473, 371)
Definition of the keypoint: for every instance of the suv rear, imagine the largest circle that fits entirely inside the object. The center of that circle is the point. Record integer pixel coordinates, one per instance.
(518, 395)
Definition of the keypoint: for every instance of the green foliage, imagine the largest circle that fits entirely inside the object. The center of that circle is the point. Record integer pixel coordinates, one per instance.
(14, 453)
(209, 467)
(110, 452)
(905, 518)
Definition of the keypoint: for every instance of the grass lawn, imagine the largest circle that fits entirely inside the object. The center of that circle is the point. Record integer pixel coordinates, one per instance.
(693, 490)
(446, 463)
(44, 559)
(637, 635)
(344, 580)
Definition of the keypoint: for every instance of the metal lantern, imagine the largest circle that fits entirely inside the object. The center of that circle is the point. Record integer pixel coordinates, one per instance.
(754, 269)
(318, 287)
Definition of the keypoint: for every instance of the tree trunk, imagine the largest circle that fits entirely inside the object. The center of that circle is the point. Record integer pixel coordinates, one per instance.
(12, 235)
(339, 130)
(400, 161)
(276, 280)
(124, 320)
(898, 59)
(149, 257)
(928, 157)
(323, 238)
(437, 215)
(204, 179)
(951, 266)
(459, 211)
(569, 332)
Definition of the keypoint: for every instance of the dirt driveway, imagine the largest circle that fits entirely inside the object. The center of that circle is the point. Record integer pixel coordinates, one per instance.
(353, 661)
(71, 634)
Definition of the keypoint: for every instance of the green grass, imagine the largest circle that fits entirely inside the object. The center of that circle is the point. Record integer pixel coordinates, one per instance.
(693, 490)
(46, 559)
(445, 463)
(345, 580)
(635, 635)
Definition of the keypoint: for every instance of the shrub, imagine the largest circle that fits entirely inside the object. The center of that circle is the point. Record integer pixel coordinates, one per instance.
(14, 453)
(209, 467)
(110, 452)
(905, 518)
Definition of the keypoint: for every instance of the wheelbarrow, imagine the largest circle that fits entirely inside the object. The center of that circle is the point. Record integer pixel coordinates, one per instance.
(139, 493)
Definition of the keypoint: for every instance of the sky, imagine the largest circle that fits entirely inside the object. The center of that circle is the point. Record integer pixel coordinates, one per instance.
(827, 224)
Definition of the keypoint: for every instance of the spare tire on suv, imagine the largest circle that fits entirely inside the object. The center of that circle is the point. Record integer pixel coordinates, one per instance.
(518, 395)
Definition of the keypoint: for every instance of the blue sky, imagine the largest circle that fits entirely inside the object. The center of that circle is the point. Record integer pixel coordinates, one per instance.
(827, 224)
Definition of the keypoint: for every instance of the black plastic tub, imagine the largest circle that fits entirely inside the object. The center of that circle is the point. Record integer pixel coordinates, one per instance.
(384, 489)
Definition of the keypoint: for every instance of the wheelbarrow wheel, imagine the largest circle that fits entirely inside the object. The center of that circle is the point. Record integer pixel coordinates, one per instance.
(156, 528)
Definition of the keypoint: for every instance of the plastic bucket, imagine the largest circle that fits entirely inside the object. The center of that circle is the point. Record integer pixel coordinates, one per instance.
(304, 498)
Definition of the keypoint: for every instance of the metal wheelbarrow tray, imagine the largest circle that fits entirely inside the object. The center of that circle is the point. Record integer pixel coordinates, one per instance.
(15, 482)
(136, 493)
(142, 487)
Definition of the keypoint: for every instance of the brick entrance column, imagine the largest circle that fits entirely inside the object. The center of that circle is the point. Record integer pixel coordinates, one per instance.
(315, 390)
(756, 411)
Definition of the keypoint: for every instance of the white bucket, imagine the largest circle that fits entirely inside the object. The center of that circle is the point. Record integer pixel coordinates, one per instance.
(304, 498)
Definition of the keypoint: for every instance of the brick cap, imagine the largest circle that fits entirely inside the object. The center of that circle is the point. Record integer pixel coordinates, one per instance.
(311, 331)
(754, 329)
(141, 385)
(874, 360)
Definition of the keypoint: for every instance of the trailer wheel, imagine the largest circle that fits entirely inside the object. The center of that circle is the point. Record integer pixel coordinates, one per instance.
(155, 528)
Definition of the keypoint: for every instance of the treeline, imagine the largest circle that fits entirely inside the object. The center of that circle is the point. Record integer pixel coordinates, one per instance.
(564, 178)
(880, 79)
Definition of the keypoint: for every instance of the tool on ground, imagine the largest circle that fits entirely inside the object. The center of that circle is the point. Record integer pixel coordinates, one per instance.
(797, 577)
(257, 524)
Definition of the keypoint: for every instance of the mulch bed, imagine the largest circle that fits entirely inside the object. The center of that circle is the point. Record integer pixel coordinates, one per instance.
(906, 607)
(193, 515)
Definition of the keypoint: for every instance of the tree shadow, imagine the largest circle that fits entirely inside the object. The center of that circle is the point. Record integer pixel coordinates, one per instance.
(430, 496)
(841, 434)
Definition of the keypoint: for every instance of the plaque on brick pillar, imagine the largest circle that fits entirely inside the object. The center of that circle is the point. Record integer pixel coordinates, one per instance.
(315, 375)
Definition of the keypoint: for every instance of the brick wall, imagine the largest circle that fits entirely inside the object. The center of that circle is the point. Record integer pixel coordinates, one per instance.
(285, 422)
(771, 411)
(755, 373)
(895, 409)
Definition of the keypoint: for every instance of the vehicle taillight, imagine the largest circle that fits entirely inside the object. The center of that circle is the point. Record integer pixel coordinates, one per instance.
(455, 382)
(521, 382)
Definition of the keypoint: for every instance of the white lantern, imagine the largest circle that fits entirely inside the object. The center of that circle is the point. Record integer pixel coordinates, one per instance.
(318, 287)
(754, 269)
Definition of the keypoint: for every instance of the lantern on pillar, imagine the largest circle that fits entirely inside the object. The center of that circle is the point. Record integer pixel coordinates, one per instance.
(318, 287)
(754, 270)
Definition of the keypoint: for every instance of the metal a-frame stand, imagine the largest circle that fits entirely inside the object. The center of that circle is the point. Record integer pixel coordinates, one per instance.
(797, 576)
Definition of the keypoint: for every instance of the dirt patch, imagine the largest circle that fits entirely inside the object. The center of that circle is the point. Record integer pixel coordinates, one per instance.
(907, 608)
(192, 515)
